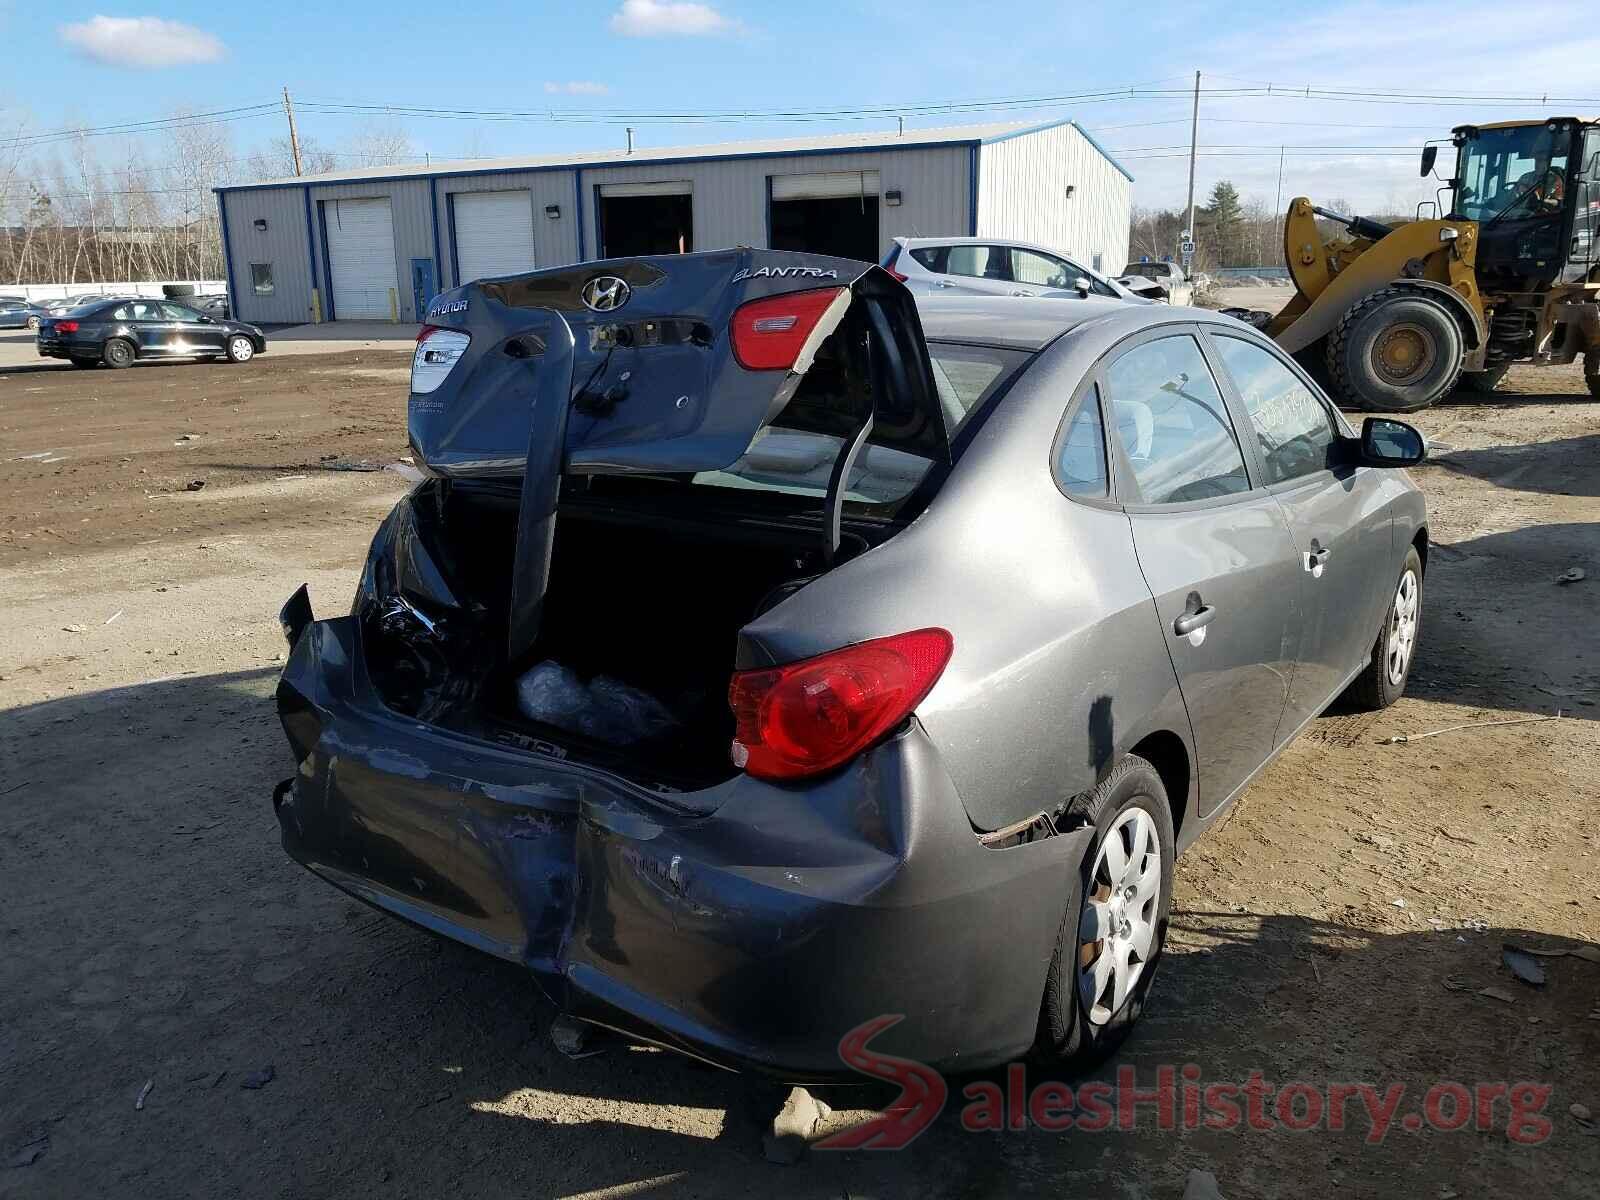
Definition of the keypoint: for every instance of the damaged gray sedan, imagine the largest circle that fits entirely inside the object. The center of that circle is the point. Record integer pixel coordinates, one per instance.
(761, 656)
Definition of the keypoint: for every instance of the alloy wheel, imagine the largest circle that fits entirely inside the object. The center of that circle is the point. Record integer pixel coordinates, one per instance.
(1402, 629)
(1117, 932)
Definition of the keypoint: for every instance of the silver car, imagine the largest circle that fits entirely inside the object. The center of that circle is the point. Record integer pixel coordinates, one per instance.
(1160, 281)
(979, 266)
(761, 660)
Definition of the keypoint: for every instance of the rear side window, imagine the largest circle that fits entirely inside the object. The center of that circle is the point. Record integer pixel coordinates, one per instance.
(980, 262)
(932, 257)
(1081, 458)
(1172, 424)
(1294, 430)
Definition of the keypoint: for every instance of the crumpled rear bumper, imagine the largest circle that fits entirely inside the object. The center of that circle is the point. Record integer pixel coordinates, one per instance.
(749, 924)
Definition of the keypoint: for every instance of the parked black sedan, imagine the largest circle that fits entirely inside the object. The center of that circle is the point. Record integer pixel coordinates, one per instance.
(121, 332)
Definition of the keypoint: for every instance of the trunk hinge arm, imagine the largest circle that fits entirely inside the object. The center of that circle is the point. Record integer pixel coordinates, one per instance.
(833, 514)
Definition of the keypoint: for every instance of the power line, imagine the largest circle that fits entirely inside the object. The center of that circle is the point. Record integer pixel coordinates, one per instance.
(155, 125)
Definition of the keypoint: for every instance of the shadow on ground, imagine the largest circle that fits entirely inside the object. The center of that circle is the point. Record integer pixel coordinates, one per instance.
(157, 933)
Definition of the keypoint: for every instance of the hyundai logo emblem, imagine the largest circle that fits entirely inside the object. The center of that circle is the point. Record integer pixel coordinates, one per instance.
(605, 293)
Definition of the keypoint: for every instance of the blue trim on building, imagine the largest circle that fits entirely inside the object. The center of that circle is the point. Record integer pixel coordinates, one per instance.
(438, 265)
(972, 192)
(311, 244)
(580, 167)
(577, 199)
(327, 266)
(450, 229)
(227, 255)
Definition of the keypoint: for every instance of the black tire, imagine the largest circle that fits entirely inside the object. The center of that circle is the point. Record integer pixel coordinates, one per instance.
(1378, 686)
(1072, 1034)
(1428, 335)
(240, 348)
(1483, 381)
(84, 362)
(118, 353)
(176, 291)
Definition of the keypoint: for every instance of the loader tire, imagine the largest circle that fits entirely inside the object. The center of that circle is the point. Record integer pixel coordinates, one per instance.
(1483, 382)
(1395, 351)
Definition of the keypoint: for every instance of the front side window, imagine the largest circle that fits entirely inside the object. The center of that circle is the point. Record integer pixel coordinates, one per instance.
(261, 278)
(176, 312)
(1081, 459)
(1515, 172)
(1294, 429)
(1042, 270)
(1172, 424)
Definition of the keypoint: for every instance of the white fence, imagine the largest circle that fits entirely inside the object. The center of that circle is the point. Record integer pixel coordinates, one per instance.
(57, 291)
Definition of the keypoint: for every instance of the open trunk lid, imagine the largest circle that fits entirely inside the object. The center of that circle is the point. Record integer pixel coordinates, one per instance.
(669, 364)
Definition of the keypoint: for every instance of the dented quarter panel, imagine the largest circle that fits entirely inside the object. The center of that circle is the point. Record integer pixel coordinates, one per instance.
(715, 922)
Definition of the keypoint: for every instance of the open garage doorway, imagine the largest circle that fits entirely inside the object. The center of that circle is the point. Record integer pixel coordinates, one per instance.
(831, 212)
(645, 218)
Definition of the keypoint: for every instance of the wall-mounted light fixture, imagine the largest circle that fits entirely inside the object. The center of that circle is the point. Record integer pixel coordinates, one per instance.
(553, 211)
(892, 198)
(261, 224)
(1071, 187)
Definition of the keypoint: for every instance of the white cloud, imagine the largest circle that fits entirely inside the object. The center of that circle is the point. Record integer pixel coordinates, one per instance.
(669, 18)
(576, 87)
(147, 42)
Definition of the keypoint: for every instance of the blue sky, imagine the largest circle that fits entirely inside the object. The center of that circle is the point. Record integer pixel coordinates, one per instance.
(91, 66)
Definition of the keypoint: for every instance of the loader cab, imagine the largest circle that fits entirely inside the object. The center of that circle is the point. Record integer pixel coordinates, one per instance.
(1534, 191)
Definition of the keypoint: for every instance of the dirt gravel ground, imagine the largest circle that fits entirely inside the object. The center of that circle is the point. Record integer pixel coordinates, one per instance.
(162, 955)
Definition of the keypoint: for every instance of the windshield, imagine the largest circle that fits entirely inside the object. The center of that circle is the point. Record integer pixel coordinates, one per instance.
(1515, 172)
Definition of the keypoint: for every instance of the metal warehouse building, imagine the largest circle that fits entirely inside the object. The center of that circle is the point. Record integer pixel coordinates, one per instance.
(379, 244)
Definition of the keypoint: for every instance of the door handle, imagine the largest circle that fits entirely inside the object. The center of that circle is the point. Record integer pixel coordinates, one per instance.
(1194, 618)
(943, 283)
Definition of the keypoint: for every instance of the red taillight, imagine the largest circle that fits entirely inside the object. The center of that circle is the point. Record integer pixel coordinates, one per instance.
(769, 334)
(810, 716)
(66, 327)
(422, 334)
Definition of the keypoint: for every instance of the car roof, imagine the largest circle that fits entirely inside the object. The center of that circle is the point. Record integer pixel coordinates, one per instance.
(1033, 322)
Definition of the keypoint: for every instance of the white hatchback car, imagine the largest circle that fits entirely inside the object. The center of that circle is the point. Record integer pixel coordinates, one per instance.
(994, 267)
(1161, 281)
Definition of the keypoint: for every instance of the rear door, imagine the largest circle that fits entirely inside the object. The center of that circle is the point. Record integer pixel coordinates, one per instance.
(969, 268)
(148, 327)
(1338, 514)
(1214, 548)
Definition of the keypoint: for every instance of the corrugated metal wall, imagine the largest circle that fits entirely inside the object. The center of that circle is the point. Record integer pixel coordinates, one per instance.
(730, 209)
(730, 196)
(282, 243)
(1022, 183)
(555, 242)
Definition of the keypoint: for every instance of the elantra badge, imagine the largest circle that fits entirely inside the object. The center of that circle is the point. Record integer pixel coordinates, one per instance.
(605, 293)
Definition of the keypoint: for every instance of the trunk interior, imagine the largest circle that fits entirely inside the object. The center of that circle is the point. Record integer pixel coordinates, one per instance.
(650, 582)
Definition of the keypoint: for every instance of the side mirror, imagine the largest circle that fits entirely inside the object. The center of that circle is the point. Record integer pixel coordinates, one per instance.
(205, 320)
(1084, 286)
(1386, 442)
(1430, 155)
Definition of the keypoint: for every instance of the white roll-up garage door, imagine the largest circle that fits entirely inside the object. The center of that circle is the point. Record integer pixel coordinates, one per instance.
(672, 187)
(361, 254)
(494, 233)
(825, 185)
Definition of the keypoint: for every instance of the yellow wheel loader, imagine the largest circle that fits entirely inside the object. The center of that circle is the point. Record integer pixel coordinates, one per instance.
(1511, 273)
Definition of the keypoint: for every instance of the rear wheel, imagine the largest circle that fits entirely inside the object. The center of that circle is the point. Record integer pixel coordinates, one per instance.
(1483, 381)
(1395, 351)
(240, 349)
(1384, 679)
(1110, 943)
(118, 353)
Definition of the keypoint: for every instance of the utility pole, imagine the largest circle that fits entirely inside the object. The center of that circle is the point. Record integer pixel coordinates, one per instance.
(294, 138)
(1194, 137)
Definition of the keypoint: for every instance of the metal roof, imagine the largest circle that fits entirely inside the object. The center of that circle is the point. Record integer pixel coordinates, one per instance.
(957, 135)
